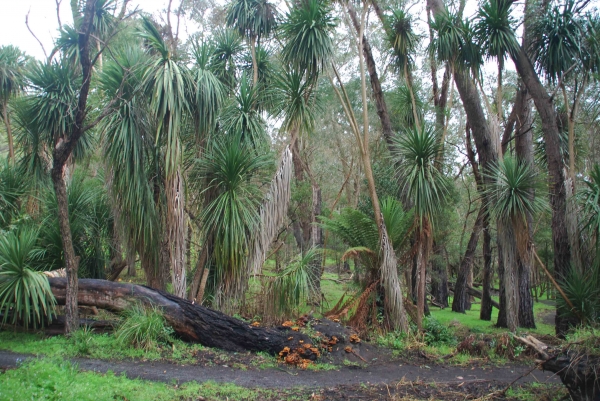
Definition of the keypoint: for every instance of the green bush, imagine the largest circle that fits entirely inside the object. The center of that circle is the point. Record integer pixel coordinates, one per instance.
(143, 328)
(83, 339)
(436, 333)
(394, 340)
(25, 293)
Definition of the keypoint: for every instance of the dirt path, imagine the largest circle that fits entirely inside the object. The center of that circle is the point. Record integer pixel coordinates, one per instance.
(384, 373)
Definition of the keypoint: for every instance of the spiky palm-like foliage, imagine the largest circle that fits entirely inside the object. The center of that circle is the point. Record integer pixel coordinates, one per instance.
(402, 37)
(454, 42)
(12, 81)
(13, 190)
(242, 117)
(91, 226)
(359, 231)
(210, 91)
(494, 29)
(227, 47)
(589, 198)
(252, 18)
(25, 294)
(402, 106)
(422, 183)
(295, 100)
(131, 156)
(230, 169)
(509, 195)
(308, 36)
(557, 40)
(169, 83)
(292, 286)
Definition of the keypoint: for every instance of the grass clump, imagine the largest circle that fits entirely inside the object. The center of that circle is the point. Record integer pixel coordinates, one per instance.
(436, 333)
(143, 328)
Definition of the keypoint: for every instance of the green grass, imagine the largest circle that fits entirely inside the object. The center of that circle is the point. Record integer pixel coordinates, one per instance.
(99, 346)
(53, 379)
(471, 320)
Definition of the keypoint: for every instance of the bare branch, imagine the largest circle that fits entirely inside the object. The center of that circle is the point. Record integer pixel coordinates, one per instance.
(58, 12)
(33, 34)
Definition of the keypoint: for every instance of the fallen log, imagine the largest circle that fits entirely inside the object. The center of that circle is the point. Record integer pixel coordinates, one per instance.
(474, 293)
(579, 372)
(191, 322)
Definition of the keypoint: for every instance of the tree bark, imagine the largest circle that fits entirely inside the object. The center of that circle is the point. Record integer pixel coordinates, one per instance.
(461, 302)
(381, 105)
(486, 299)
(558, 199)
(439, 277)
(190, 321)
(509, 255)
(61, 153)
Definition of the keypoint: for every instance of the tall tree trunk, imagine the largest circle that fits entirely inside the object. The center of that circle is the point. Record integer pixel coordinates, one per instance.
(524, 152)
(486, 299)
(509, 253)
(176, 229)
(62, 151)
(377, 92)
(425, 244)
(461, 301)
(254, 61)
(317, 242)
(439, 276)
(6, 118)
(558, 199)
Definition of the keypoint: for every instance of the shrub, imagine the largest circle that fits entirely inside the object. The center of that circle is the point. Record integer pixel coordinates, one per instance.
(24, 292)
(143, 328)
(436, 333)
(82, 339)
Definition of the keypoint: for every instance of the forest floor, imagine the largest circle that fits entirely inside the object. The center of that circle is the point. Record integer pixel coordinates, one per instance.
(384, 378)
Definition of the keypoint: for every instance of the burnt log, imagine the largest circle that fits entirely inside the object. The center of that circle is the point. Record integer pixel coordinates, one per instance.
(580, 373)
(191, 322)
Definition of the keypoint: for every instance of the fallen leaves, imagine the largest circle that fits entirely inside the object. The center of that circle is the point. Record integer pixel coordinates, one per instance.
(354, 339)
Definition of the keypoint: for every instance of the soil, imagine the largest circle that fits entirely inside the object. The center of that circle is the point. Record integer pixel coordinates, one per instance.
(418, 379)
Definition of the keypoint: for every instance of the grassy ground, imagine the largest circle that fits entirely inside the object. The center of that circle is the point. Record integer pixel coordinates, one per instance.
(53, 379)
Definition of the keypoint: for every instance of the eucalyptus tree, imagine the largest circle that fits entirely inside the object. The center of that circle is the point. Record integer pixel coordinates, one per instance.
(12, 82)
(426, 188)
(253, 19)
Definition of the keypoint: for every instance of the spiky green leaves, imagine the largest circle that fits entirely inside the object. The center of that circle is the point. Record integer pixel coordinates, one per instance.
(12, 72)
(308, 36)
(230, 168)
(509, 195)
(422, 183)
(494, 29)
(589, 197)
(558, 40)
(25, 294)
(252, 18)
(295, 99)
(403, 39)
(454, 42)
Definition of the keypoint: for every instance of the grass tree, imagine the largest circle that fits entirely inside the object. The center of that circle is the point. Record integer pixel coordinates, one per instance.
(12, 81)
(253, 19)
(509, 200)
(427, 189)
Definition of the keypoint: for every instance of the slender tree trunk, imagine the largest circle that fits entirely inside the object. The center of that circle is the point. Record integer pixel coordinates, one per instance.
(201, 269)
(425, 244)
(254, 61)
(317, 242)
(511, 290)
(6, 118)
(62, 151)
(176, 229)
(486, 299)
(524, 152)
(461, 301)
(439, 276)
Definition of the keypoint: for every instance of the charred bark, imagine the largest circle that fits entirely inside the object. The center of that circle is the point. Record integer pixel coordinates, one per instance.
(191, 322)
